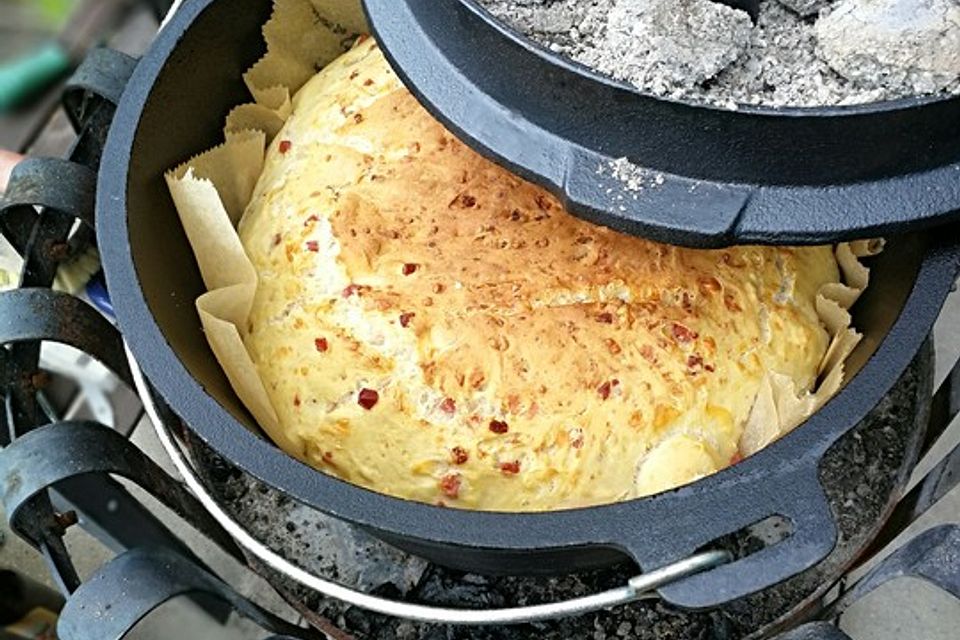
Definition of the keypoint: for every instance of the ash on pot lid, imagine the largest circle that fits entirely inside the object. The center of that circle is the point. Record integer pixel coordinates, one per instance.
(634, 177)
(799, 53)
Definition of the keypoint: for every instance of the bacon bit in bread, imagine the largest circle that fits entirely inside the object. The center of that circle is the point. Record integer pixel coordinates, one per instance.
(543, 203)
(459, 455)
(682, 333)
(695, 361)
(499, 426)
(607, 388)
(358, 118)
(313, 218)
(321, 344)
(448, 406)
(313, 245)
(296, 400)
(409, 269)
(405, 319)
(368, 82)
(613, 346)
(368, 398)
(604, 390)
(284, 146)
(351, 290)
(438, 288)
(511, 468)
(450, 485)
(606, 317)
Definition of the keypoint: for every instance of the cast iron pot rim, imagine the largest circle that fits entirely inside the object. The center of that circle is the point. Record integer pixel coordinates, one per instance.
(742, 109)
(407, 519)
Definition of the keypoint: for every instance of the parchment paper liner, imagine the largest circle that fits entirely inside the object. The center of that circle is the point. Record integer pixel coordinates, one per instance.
(211, 192)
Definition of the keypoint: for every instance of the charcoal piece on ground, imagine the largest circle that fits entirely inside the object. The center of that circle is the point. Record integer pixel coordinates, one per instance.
(447, 588)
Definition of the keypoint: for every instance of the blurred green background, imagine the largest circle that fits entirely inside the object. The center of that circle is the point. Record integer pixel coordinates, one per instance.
(26, 23)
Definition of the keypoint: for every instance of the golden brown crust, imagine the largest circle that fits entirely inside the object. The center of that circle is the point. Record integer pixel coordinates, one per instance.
(431, 326)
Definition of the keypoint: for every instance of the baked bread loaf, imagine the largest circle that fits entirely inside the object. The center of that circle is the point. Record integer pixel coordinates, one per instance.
(430, 326)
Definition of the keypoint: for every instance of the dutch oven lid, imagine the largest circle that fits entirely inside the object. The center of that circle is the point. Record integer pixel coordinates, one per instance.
(675, 172)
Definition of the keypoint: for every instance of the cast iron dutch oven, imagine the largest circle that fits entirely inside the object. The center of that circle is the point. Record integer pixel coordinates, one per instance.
(175, 106)
(754, 174)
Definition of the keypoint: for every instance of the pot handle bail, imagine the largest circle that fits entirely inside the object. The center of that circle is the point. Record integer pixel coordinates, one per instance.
(796, 497)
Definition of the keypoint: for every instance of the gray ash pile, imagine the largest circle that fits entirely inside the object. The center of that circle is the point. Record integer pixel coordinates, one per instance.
(800, 53)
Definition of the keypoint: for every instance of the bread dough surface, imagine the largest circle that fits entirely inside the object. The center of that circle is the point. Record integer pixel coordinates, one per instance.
(430, 326)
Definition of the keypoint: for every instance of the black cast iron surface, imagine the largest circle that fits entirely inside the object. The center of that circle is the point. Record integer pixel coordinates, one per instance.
(864, 473)
(175, 106)
(67, 452)
(715, 177)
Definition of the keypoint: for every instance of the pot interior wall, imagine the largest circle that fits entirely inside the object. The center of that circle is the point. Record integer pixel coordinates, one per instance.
(184, 114)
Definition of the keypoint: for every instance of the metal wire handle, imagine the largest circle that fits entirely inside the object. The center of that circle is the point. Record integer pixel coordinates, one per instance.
(639, 587)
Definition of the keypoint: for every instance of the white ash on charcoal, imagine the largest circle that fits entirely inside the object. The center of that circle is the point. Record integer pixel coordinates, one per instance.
(904, 46)
(668, 45)
(806, 7)
(860, 474)
(704, 52)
